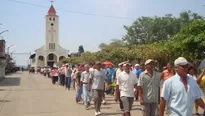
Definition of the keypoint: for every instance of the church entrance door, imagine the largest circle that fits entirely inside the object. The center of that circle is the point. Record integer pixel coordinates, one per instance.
(50, 63)
(51, 59)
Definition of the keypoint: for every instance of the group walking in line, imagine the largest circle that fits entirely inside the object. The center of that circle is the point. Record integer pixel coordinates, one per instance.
(173, 92)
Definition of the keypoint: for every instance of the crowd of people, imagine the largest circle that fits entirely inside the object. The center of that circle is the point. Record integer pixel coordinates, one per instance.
(174, 91)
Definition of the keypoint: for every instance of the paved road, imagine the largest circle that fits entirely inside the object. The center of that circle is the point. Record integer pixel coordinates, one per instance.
(24, 94)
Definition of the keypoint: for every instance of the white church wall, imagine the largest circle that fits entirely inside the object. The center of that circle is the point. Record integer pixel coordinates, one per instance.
(52, 38)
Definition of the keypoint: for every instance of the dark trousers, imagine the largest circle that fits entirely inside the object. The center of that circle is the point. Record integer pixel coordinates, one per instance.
(67, 82)
(73, 83)
(62, 79)
(108, 91)
(121, 104)
(98, 94)
(54, 79)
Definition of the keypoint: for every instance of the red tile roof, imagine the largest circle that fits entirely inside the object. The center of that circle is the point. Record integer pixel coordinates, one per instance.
(51, 10)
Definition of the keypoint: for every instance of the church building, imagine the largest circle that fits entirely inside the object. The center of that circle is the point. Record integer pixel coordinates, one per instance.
(51, 52)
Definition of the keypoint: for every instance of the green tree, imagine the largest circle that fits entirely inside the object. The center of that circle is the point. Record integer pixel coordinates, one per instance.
(190, 41)
(115, 43)
(147, 30)
(80, 49)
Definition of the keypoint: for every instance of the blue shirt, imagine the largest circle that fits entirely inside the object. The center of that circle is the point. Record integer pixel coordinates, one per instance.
(179, 101)
(110, 71)
(138, 72)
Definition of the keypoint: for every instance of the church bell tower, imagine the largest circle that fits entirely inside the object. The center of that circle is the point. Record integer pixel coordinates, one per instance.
(52, 31)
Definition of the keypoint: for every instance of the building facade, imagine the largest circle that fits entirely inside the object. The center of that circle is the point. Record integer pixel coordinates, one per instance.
(51, 52)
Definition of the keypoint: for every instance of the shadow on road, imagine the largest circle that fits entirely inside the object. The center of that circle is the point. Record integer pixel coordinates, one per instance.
(4, 101)
(136, 105)
(10, 81)
(137, 109)
(111, 114)
(101, 107)
(112, 103)
(109, 99)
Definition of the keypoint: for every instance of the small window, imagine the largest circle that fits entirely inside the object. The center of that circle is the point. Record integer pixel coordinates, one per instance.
(50, 19)
(53, 19)
(52, 24)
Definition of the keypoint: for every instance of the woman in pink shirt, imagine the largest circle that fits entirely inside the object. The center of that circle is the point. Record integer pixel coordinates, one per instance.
(54, 75)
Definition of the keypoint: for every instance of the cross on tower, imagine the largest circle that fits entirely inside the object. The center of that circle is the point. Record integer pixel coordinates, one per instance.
(52, 2)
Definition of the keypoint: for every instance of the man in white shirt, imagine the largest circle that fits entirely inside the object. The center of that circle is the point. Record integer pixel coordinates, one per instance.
(125, 84)
(118, 71)
(180, 92)
(85, 79)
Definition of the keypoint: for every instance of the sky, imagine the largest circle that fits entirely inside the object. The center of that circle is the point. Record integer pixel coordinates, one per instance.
(26, 23)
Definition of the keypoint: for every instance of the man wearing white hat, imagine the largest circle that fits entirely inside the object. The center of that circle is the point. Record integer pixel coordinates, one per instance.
(136, 68)
(180, 92)
(149, 86)
(118, 71)
(125, 85)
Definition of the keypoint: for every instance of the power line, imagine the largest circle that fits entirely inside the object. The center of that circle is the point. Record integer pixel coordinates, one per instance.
(70, 11)
(21, 53)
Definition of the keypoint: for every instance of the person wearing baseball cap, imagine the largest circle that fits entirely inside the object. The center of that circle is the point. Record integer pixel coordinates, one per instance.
(125, 85)
(54, 74)
(117, 72)
(99, 82)
(149, 86)
(136, 68)
(180, 92)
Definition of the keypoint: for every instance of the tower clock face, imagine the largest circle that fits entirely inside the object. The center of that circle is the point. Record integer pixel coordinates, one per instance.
(52, 24)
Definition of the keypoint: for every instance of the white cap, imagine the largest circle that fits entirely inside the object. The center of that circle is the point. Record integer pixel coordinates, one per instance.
(137, 65)
(125, 64)
(66, 64)
(120, 64)
(148, 61)
(180, 61)
(54, 66)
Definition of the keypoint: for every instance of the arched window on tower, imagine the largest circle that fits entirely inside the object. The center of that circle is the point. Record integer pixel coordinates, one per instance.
(53, 19)
(50, 19)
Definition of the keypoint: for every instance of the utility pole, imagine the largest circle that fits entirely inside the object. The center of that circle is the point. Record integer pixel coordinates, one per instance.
(24, 53)
(9, 48)
(4, 31)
